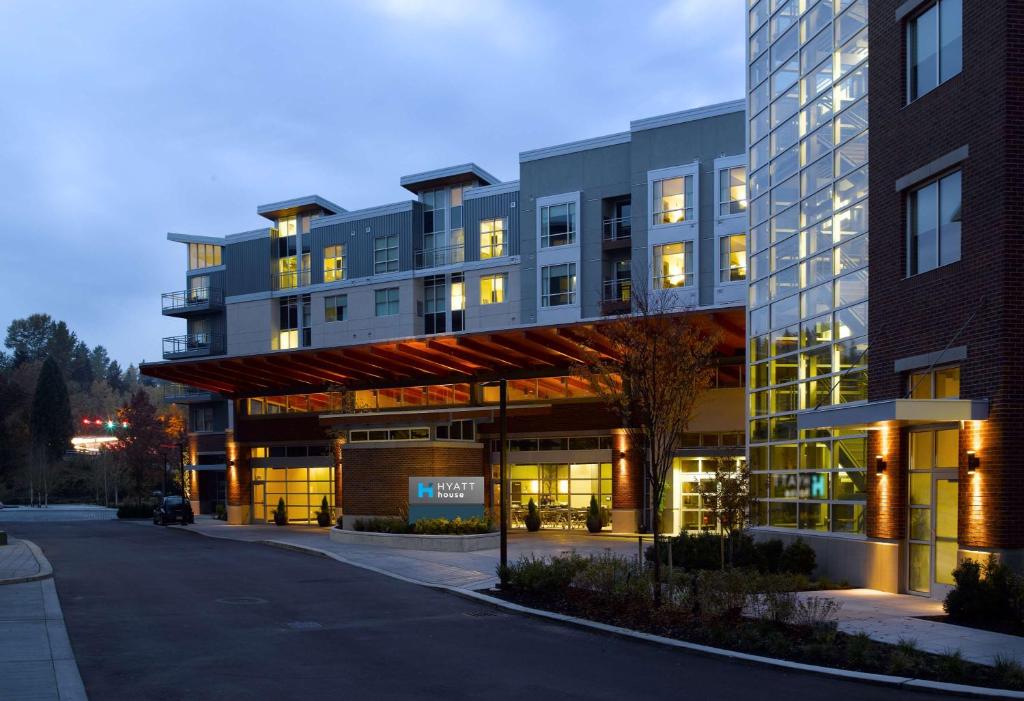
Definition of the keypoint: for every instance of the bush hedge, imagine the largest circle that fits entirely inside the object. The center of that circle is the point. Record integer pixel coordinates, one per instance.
(429, 526)
(702, 551)
(989, 595)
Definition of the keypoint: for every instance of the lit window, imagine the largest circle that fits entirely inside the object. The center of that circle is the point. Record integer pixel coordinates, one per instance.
(294, 322)
(492, 288)
(941, 383)
(934, 222)
(386, 301)
(733, 258)
(558, 285)
(287, 273)
(458, 301)
(334, 263)
(492, 238)
(203, 255)
(385, 254)
(558, 225)
(673, 265)
(335, 307)
(934, 47)
(732, 190)
(673, 200)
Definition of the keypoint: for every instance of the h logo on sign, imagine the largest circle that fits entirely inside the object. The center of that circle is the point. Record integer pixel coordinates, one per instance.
(424, 490)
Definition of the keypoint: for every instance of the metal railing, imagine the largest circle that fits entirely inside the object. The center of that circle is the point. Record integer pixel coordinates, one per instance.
(182, 300)
(289, 280)
(617, 229)
(177, 391)
(193, 344)
(436, 257)
(617, 291)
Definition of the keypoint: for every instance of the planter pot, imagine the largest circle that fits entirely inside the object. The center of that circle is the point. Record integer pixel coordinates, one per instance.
(323, 520)
(532, 523)
(280, 520)
(594, 524)
(415, 541)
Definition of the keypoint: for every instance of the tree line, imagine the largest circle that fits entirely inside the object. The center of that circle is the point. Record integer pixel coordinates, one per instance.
(51, 381)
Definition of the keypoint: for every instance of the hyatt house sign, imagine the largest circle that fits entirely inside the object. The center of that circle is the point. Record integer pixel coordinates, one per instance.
(446, 497)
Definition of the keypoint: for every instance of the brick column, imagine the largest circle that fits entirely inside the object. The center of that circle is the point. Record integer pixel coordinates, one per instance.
(887, 492)
(627, 484)
(239, 483)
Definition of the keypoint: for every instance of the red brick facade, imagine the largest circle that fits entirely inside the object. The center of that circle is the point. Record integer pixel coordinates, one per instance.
(376, 480)
(981, 109)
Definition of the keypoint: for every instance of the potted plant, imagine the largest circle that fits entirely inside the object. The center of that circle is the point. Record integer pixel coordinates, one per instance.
(323, 516)
(532, 517)
(594, 524)
(281, 513)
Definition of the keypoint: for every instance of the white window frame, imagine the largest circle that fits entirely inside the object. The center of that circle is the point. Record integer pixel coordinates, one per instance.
(557, 255)
(692, 171)
(723, 265)
(572, 211)
(387, 250)
(573, 292)
(493, 245)
(723, 165)
(503, 277)
(388, 301)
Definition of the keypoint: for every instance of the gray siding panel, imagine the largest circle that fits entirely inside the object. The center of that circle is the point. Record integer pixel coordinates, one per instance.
(477, 209)
(358, 236)
(248, 267)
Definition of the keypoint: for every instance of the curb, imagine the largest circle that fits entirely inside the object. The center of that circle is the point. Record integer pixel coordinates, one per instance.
(867, 677)
(45, 568)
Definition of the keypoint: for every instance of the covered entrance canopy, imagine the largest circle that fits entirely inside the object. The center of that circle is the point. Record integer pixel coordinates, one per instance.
(517, 353)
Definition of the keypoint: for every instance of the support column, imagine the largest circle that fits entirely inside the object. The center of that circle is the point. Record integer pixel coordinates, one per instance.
(627, 484)
(239, 483)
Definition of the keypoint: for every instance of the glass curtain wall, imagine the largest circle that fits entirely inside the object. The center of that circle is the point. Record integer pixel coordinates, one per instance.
(807, 103)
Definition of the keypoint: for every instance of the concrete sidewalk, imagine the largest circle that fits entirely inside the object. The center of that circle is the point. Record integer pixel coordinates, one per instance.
(36, 660)
(885, 617)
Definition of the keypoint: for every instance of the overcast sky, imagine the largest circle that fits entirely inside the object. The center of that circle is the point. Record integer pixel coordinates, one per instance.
(121, 121)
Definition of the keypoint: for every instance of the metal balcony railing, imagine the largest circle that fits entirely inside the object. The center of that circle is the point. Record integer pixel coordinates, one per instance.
(617, 229)
(177, 392)
(289, 280)
(436, 257)
(193, 344)
(197, 298)
(617, 291)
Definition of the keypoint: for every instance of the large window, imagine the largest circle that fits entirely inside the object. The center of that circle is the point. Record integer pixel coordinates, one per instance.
(673, 265)
(732, 190)
(934, 47)
(941, 383)
(934, 223)
(492, 238)
(458, 301)
(558, 285)
(334, 263)
(386, 301)
(434, 313)
(203, 255)
(294, 328)
(492, 288)
(673, 200)
(434, 202)
(558, 225)
(335, 308)
(385, 254)
(733, 258)
(201, 419)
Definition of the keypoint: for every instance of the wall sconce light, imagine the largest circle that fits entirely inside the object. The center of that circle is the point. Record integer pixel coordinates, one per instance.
(973, 462)
(880, 464)
(620, 455)
(231, 463)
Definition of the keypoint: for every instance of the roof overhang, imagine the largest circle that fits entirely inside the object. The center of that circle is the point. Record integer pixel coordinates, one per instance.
(286, 208)
(519, 353)
(902, 412)
(418, 182)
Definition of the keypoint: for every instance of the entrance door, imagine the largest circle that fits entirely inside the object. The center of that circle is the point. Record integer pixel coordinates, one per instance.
(932, 511)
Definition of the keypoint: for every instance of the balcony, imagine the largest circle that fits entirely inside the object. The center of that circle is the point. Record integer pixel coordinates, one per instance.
(177, 393)
(193, 345)
(437, 257)
(616, 296)
(198, 300)
(616, 233)
(289, 280)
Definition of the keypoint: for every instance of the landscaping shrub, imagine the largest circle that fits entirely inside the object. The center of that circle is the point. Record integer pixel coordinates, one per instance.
(989, 595)
(544, 576)
(323, 516)
(721, 593)
(220, 512)
(456, 526)
(532, 518)
(594, 524)
(281, 513)
(135, 511)
(798, 558)
(615, 577)
(386, 524)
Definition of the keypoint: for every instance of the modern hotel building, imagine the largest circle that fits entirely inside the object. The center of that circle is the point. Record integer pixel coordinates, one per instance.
(883, 407)
(336, 353)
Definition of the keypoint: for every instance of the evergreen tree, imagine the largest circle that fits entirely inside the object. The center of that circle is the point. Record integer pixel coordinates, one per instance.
(28, 338)
(50, 425)
(60, 345)
(114, 376)
(81, 365)
(99, 360)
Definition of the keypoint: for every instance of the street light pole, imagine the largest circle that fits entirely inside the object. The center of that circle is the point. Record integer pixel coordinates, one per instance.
(503, 476)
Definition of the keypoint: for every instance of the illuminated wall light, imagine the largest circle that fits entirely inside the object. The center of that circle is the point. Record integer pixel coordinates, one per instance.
(880, 465)
(973, 462)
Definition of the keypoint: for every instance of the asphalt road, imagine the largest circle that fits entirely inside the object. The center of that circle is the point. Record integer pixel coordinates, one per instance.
(160, 614)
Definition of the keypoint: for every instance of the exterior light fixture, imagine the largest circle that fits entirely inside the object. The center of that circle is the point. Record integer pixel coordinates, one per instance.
(880, 464)
(973, 462)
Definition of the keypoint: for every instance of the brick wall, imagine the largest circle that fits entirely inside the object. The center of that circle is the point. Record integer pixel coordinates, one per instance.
(980, 108)
(376, 480)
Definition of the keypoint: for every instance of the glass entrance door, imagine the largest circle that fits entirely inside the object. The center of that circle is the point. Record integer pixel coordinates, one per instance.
(932, 511)
(301, 488)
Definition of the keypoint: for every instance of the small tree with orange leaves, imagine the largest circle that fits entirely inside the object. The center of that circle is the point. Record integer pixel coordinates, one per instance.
(661, 363)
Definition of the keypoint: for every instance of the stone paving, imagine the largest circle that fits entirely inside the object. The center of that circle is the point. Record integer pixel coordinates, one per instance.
(883, 616)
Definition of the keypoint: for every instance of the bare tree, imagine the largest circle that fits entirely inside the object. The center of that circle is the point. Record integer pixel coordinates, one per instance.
(729, 501)
(662, 362)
